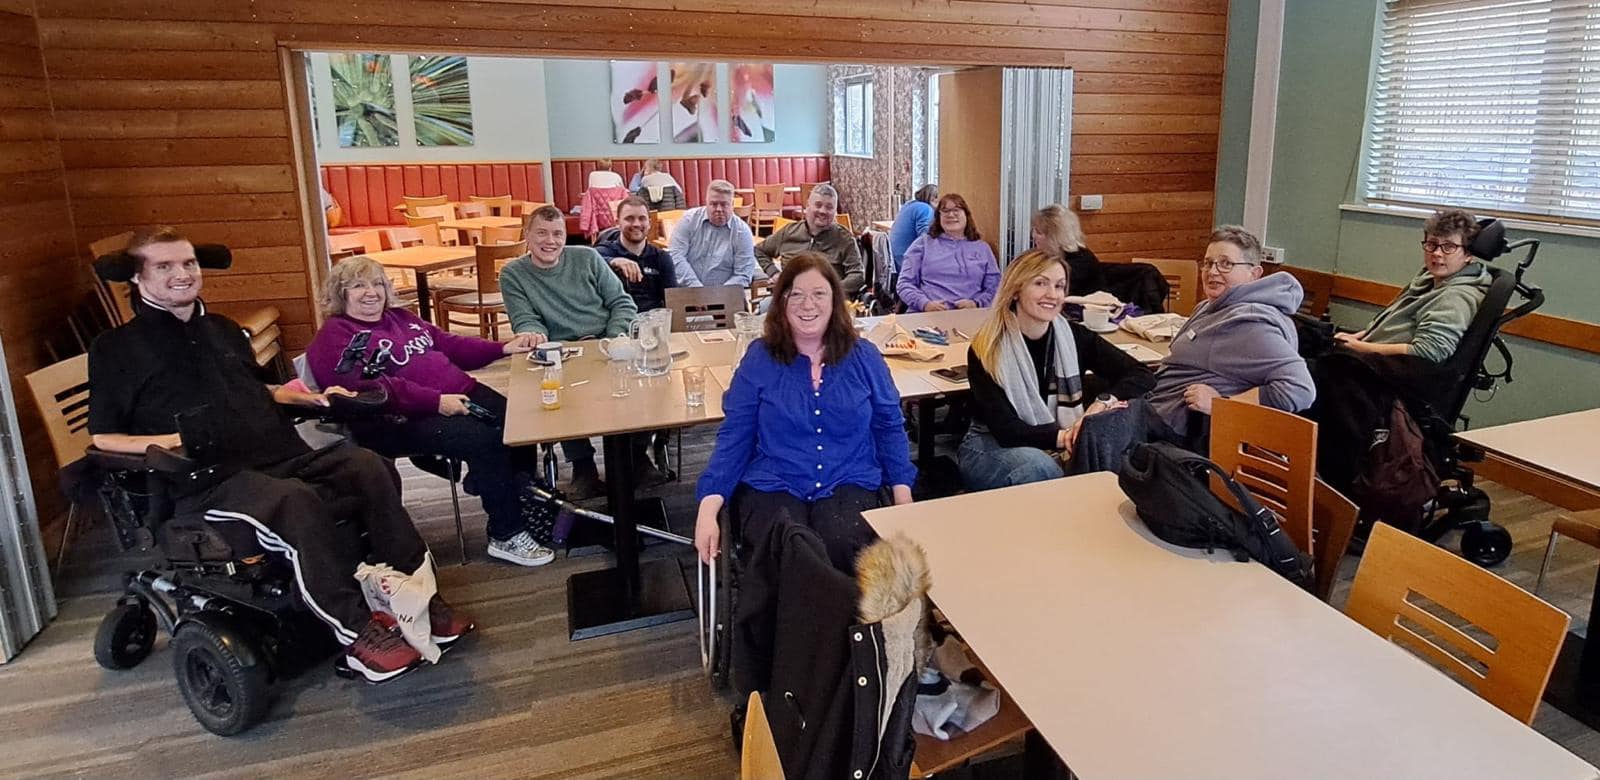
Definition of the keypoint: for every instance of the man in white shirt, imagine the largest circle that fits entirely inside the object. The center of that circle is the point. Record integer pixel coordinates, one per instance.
(710, 246)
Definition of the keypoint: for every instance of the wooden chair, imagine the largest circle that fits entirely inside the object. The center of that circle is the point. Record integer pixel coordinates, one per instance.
(498, 205)
(471, 210)
(485, 305)
(502, 235)
(740, 208)
(61, 391)
(400, 238)
(760, 290)
(437, 214)
(844, 219)
(779, 223)
(1399, 571)
(1583, 526)
(1183, 276)
(1333, 522)
(1318, 287)
(415, 202)
(711, 307)
(1272, 454)
(768, 206)
(759, 758)
(665, 221)
(347, 245)
(431, 224)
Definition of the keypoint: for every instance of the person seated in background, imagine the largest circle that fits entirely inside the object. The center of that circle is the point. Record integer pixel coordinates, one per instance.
(1240, 338)
(813, 428)
(711, 246)
(602, 177)
(370, 340)
(565, 293)
(645, 269)
(819, 232)
(1431, 314)
(951, 267)
(912, 223)
(657, 187)
(175, 359)
(1056, 229)
(1025, 367)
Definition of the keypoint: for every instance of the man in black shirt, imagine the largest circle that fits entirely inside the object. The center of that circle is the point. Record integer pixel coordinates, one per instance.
(175, 361)
(645, 269)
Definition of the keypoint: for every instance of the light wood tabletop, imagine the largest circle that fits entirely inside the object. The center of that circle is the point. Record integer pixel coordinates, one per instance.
(1566, 445)
(479, 223)
(426, 259)
(1137, 659)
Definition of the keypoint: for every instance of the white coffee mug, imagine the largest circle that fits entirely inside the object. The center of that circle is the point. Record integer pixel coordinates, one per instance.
(1096, 318)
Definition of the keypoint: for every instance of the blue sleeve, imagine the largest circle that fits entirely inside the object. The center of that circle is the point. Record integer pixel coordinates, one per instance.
(924, 220)
(888, 424)
(736, 438)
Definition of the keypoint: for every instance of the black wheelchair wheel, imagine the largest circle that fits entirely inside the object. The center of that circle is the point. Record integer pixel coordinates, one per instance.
(125, 636)
(225, 695)
(1486, 544)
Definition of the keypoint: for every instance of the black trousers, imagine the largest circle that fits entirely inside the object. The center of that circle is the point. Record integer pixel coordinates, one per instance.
(498, 471)
(293, 506)
(837, 519)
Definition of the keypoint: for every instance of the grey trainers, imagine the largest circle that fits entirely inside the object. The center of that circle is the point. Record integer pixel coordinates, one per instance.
(521, 550)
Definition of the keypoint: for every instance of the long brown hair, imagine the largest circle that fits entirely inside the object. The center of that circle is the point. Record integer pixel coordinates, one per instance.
(936, 229)
(1003, 313)
(837, 340)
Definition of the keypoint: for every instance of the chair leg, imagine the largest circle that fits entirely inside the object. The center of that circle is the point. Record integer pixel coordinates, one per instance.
(1549, 554)
(455, 506)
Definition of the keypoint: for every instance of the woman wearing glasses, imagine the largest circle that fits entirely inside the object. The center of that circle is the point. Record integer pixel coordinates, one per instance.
(951, 267)
(1241, 337)
(1434, 310)
(812, 427)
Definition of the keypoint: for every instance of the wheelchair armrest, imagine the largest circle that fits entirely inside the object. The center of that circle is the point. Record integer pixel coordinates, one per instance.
(362, 405)
(154, 459)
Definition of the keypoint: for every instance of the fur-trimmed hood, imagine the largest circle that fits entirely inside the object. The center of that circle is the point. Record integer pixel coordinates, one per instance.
(893, 577)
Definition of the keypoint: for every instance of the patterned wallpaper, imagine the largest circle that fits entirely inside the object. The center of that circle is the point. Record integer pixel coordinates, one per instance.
(873, 189)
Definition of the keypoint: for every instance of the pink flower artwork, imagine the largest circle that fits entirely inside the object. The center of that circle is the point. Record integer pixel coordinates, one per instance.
(694, 103)
(635, 102)
(751, 104)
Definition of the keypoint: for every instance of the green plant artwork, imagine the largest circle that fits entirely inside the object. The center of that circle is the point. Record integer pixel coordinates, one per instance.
(441, 101)
(363, 99)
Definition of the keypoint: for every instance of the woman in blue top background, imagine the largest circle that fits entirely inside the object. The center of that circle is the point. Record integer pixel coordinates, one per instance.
(911, 223)
(797, 441)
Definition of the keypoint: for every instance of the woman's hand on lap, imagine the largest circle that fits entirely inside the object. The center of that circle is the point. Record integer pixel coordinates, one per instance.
(452, 404)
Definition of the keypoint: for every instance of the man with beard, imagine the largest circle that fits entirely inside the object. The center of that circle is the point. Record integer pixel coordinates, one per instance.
(645, 269)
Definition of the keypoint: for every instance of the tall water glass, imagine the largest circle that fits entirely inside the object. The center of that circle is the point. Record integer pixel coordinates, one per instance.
(694, 386)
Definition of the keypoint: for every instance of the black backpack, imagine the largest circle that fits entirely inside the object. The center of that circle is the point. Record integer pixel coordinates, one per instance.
(1170, 487)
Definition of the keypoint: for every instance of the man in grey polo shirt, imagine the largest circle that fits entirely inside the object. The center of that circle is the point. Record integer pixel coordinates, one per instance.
(710, 246)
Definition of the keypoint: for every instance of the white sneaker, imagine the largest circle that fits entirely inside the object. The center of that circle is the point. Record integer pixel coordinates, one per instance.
(521, 550)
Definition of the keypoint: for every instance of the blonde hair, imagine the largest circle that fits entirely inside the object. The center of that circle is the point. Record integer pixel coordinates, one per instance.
(1003, 314)
(1061, 225)
(347, 272)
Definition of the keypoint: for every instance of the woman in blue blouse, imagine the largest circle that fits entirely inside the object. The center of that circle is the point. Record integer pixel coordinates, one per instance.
(797, 439)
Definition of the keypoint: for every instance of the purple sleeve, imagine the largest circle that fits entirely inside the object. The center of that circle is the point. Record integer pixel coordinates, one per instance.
(910, 287)
(469, 353)
(991, 278)
(323, 359)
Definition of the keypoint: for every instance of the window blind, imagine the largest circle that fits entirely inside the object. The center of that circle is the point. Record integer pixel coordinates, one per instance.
(1488, 105)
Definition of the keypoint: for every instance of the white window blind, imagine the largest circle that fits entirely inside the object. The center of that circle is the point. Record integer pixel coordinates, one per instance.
(1490, 105)
(852, 116)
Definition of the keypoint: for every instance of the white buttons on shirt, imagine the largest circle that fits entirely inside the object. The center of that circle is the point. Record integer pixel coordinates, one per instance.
(819, 484)
(819, 448)
(819, 467)
(816, 411)
(819, 430)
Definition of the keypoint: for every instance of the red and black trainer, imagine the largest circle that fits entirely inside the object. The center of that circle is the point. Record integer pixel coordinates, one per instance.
(447, 623)
(380, 653)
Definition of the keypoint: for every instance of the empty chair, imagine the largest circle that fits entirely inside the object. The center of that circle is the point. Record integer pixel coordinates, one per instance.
(665, 221)
(1399, 572)
(1318, 287)
(768, 206)
(704, 308)
(399, 238)
(1272, 454)
(1333, 522)
(485, 305)
(498, 205)
(414, 202)
(1583, 526)
(844, 221)
(758, 759)
(1183, 281)
(352, 244)
(502, 235)
(472, 210)
(62, 392)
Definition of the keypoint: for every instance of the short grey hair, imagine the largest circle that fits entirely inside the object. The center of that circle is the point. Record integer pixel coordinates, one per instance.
(826, 190)
(349, 271)
(720, 186)
(1248, 244)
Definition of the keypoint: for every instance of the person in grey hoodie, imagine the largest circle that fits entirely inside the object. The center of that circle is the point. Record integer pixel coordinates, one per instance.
(1433, 312)
(1241, 337)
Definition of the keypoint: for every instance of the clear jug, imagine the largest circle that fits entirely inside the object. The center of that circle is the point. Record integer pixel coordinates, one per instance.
(652, 333)
(746, 329)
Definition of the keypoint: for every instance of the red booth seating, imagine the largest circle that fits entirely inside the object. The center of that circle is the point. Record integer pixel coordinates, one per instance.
(369, 193)
(570, 178)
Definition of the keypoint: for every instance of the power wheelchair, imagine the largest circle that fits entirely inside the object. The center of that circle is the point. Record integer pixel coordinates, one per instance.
(1435, 395)
(236, 623)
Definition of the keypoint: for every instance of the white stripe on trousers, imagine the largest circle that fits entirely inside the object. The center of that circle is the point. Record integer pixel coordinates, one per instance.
(275, 543)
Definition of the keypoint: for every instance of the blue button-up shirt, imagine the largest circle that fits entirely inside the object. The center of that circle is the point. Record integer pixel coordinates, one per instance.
(781, 435)
(704, 255)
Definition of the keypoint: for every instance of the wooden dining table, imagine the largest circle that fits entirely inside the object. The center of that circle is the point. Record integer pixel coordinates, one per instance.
(423, 260)
(519, 207)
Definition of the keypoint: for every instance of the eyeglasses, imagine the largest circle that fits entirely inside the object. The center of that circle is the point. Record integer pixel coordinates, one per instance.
(819, 297)
(952, 211)
(363, 284)
(1223, 264)
(1442, 247)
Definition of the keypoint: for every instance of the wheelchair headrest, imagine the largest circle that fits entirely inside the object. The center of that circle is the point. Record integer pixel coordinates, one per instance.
(122, 266)
(1490, 241)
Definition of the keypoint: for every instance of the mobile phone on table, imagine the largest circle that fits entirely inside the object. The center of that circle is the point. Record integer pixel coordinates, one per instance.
(956, 374)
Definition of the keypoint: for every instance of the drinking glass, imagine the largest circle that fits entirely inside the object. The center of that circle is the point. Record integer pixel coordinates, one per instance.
(694, 386)
(622, 372)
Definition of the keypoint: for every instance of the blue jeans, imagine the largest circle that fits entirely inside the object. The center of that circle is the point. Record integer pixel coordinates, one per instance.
(986, 465)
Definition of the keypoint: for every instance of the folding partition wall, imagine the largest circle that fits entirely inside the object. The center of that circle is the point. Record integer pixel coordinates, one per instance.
(27, 601)
(1035, 148)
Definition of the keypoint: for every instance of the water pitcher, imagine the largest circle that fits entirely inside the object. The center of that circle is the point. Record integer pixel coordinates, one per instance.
(652, 332)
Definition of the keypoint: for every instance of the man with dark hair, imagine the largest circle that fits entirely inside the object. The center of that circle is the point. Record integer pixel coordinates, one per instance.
(819, 232)
(176, 372)
(645, 269)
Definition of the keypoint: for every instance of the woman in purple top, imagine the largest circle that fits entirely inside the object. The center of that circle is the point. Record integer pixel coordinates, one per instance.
(951, 267)
(435, 406)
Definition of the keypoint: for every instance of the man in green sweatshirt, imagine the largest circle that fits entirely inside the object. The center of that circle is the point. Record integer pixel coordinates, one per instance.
(565, 293)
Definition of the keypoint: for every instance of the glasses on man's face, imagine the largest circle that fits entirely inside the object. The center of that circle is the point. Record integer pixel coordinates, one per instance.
(1222, 264)
(1442, 247)
(818, 298)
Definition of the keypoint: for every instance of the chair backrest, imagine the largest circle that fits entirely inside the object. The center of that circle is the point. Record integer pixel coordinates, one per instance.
(759, 758)
(1272, 454)
(713, 307)
(665, 221)
(118, 301)
(345, 245)
(414, 202)
(769, 197)
(844, 219)
(398, 238)
(805, 191)
(498, 205)
(1183, 278)
(62, 392)
(490, 258)
(471, 210)
(443, 212)
(501, 235)
(1318, 287)
(778, 223)
(417, 221)
(1399, 572)
(1333, 522)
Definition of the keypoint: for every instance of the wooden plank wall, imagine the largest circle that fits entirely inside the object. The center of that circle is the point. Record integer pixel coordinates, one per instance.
(35, 296)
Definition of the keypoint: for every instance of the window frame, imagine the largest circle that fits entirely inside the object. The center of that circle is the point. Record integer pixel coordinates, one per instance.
(842, 114)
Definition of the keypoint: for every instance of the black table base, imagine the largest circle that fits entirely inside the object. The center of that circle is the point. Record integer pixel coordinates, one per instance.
(1575, 682)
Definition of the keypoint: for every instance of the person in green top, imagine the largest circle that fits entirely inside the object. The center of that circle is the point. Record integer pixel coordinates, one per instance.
(565, 293)
(1434, 310)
